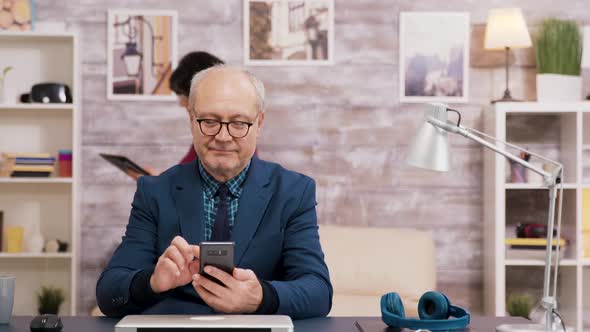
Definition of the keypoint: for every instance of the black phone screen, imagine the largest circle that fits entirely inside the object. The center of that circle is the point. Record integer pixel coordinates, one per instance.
(217, 254)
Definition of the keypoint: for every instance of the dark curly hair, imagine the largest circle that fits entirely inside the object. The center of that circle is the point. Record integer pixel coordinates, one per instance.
(189, 65)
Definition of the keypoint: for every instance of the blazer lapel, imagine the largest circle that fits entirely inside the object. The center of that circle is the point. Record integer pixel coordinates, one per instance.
(188, 197)
(252, 205)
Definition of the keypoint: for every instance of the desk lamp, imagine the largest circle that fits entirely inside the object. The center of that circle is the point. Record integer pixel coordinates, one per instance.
(506, 29)
(430, 150)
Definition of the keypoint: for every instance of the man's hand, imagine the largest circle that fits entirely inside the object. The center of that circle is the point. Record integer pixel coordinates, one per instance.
(242, 292)
(176, 266)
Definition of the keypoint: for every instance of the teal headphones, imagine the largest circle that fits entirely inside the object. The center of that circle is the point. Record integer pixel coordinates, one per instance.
(434, 309)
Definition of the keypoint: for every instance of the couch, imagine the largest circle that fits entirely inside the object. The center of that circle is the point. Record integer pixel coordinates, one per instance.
(367, 262)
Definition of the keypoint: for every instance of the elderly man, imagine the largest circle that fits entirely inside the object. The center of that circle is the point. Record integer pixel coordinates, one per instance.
(226, 194)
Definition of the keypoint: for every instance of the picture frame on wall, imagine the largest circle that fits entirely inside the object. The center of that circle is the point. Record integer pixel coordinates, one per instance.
(17, 15)
(434, 57)
(142, 52)
(288, 32)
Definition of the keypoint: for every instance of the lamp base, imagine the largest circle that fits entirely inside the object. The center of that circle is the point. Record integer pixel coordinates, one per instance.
(528, 328)
(506, 98)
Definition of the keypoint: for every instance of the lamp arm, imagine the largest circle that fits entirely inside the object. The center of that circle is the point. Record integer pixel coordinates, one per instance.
(559, 207)
(154, 38)
(532, 153)
(131, 33)
(549, 300)
(451, 127)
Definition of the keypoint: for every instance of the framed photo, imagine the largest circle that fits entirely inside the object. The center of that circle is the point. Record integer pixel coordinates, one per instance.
(434, 57)
(288, 32)
(142, 53)
(16, 15)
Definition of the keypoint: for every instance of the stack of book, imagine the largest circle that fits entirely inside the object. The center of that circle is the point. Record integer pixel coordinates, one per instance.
(533, 248)
(586, 221)
(27, 164)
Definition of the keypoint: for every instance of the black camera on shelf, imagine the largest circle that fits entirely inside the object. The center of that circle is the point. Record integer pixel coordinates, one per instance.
(529, 230)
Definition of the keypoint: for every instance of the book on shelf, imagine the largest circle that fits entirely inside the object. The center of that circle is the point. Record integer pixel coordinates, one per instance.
(586, 210)
(26, 164)
(25, 174)
(532, 242)
(14, 155)
(586, 243)
(33, 168)
(536, 254)
(34, 161)
(531, 248)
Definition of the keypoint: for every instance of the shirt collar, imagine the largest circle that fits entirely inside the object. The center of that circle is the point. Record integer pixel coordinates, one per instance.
(235, 184)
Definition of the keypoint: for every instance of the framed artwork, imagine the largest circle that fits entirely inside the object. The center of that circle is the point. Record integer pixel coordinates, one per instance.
(16, 15)
(288, 32)
(434, 57)
(142, 53)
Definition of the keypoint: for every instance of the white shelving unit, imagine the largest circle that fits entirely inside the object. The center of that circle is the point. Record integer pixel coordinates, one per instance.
(560, 131)
(40, 58)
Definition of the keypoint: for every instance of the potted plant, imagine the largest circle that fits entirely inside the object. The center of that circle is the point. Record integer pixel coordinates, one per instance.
(49, 299)
(2, 78)
(558, 51)
(519, 305)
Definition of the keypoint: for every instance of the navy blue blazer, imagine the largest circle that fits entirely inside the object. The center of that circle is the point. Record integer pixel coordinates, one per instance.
(275, 234)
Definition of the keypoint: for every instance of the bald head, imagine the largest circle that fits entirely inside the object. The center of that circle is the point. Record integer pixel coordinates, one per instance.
(230, 82)
(226, 105)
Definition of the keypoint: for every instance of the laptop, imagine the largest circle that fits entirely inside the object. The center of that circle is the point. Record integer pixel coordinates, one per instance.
(215, 323)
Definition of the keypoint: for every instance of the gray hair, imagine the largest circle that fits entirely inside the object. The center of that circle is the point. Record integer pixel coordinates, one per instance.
(200, 76)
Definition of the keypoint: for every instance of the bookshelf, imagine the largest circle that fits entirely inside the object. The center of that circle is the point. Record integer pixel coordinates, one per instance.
(35, 107)
(36, 180)
(559, 131)
(35, 128)
(67, 255)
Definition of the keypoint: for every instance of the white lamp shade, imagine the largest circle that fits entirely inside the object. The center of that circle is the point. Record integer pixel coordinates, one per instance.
(430, 148)
(586, 52)
(506, 28)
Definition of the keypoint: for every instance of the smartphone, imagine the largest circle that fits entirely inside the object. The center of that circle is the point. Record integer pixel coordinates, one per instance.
(218, 254)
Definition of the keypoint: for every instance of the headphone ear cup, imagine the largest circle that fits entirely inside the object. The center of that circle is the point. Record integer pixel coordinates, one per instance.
(394, 305)
(433, 305)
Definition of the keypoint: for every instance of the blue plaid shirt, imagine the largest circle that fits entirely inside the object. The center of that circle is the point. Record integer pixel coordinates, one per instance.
(211, 201)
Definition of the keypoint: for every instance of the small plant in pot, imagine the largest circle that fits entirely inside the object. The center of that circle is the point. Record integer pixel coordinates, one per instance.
(49, 299)
(558, 51)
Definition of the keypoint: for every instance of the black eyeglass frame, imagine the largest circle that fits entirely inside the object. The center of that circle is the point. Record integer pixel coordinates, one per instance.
(227, 124)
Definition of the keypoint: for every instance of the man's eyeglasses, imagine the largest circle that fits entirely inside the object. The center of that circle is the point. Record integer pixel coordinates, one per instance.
(236, 129)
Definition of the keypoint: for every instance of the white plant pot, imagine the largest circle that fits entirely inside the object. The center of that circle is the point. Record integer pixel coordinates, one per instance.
(555, 87)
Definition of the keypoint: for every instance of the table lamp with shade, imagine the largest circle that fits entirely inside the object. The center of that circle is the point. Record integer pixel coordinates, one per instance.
(506, 29)
(586, 51)
(430, 150)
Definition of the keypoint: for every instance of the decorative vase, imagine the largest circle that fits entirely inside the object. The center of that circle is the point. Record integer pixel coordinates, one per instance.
(36, 242)
(556, 87)
(31, 217)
